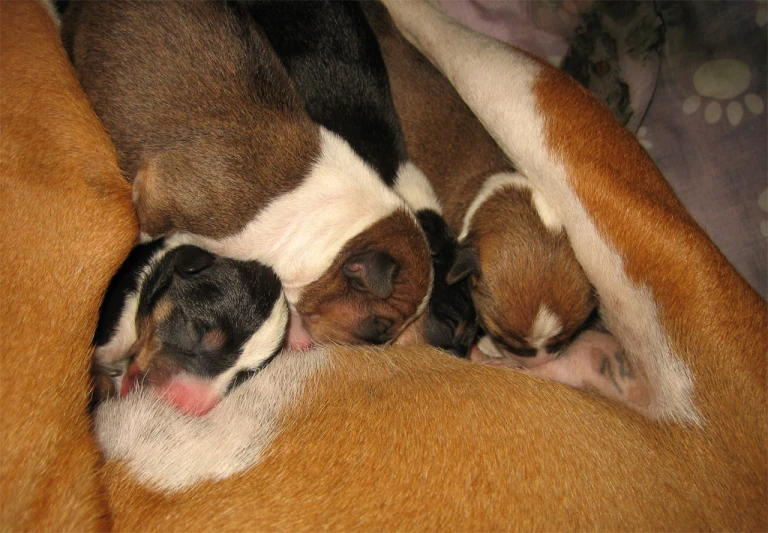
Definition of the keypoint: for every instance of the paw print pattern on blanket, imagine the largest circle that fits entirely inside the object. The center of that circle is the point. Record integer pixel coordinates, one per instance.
(723, 80)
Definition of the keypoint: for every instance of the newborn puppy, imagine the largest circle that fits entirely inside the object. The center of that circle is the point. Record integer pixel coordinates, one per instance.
(218, 145)
(332, 56)
(531, 294)
(189, 324)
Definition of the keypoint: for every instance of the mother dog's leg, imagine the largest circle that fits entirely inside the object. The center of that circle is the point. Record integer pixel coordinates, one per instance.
(666, 292)
(67, 224)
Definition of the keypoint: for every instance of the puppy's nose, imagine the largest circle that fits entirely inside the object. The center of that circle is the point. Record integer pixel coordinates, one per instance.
(375, 331)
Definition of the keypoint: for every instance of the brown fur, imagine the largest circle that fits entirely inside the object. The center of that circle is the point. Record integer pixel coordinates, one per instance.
(521, 264)
(256, 139)
(716, 321)
(529, 274)
(67, 224)
(330, 311)
(437, 124)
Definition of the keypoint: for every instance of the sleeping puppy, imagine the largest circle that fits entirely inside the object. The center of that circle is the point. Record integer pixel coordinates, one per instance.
(334, 61)
(531, 295)
(189, 324)
(218, 146)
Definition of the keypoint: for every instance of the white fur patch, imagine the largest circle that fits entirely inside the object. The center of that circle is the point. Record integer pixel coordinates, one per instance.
(545, 326)
(170, 451)
(489, 348)
(416, 190)
(495, 183)
(301, 232)
(263, 343)
(496, 82)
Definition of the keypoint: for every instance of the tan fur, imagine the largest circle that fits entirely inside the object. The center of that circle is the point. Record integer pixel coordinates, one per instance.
(67, 223)
(410, 439)
(716, 321)
(400, 439)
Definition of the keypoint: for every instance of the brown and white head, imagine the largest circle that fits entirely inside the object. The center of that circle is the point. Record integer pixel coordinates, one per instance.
(532, 296)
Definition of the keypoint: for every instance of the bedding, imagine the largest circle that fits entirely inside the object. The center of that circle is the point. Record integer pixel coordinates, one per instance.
(688, 78)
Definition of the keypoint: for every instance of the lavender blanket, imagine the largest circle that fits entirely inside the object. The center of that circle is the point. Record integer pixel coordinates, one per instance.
(688, 78)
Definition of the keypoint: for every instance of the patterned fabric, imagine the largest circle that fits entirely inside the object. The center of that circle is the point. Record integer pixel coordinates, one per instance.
(689, 78)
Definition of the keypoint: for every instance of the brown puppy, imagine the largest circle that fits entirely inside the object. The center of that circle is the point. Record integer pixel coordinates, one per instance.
(67, 225)
(531, 295)
(218, 145)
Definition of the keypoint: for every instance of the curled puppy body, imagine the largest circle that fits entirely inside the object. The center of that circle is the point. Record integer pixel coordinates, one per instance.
(531, 294)
(209, 129)
(334, 61)
(187, 323)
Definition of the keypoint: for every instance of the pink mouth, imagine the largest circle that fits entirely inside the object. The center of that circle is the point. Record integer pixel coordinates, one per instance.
(298, 337)
(191, 396)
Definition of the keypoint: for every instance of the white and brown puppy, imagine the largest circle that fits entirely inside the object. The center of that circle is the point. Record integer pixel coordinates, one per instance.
(531, 294)
(219, 146)
(333, 58)
(187, 323)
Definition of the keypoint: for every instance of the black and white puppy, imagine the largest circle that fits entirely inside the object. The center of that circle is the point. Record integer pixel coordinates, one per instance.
(187, 323)
(333, 58)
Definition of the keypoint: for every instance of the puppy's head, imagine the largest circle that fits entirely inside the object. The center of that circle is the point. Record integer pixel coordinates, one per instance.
(200, 324)
(377, 284)
(531, 295)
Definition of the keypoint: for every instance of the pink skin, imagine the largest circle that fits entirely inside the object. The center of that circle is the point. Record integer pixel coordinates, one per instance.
(190, 395)
(298, 337)
(594, 361)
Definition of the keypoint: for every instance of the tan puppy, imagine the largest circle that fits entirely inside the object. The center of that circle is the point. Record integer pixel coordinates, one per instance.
(531, 295)
(67, 225)
(218, 145)
(409, 439)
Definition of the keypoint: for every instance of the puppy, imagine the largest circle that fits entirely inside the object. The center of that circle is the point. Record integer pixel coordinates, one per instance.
(531, 295)
(218, 146)
(189, 324)
(334, 61)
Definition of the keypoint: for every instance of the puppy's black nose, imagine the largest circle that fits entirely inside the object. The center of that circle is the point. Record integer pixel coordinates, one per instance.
(375, 331)
(191, 260)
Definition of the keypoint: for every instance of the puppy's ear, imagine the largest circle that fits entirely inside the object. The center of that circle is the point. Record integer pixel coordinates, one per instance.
(372, 272)
(465, 264)
(191, 260)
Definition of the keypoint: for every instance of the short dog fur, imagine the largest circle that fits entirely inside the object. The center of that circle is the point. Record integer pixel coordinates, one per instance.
(218, 145)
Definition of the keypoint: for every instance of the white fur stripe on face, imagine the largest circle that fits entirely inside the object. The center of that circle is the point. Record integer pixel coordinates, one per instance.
(496, 81)
(545, 326)
(170, 451)
(263, 343)
(496, 183)
(414, 187)
(301, 232)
